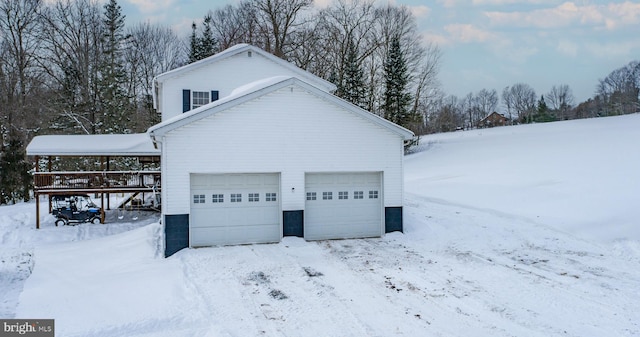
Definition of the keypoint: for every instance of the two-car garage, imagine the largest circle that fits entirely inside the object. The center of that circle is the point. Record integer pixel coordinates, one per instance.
(282, 156)
(231, 209)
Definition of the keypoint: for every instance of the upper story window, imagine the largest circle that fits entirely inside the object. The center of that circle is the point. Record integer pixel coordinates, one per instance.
(199, 98)
(195, 99)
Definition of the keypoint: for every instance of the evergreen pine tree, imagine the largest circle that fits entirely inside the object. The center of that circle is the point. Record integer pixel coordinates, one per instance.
(333, 78)
(397, 100)
(543, 113)
(15, 178)
(353, 89)
(207, 41)
(115, 107)
(193, 45)
(203, 46)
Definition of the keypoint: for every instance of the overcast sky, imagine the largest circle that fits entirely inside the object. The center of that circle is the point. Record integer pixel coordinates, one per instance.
(490, 43)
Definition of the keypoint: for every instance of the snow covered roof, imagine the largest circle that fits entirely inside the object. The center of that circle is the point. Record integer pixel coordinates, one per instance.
(137, 144)
(259, 88)
(241, 48)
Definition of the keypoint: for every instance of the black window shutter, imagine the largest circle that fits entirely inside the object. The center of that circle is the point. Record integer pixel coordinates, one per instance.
(214, 95)
(186, 100)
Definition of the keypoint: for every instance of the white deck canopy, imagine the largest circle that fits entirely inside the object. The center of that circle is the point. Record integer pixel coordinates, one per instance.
(137, 144)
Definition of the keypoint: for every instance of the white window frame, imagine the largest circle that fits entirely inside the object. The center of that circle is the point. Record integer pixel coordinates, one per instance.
(343, 195)
(236, 197)
(200, 98)
(271, 196)
(217, 198)
(254, 197)
(358, 194)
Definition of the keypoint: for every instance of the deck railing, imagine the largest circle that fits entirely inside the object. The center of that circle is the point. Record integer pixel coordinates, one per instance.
(96, 181)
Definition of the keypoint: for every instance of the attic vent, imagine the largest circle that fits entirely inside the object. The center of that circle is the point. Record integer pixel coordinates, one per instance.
(249, 53)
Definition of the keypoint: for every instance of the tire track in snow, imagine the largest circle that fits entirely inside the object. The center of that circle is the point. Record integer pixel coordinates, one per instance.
(544, 279)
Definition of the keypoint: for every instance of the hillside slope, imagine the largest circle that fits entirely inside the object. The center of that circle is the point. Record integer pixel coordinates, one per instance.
(579, 176)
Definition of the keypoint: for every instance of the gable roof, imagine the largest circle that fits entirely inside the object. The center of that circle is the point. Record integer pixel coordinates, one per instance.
(260, 88)
(137, 144)
(235, 50)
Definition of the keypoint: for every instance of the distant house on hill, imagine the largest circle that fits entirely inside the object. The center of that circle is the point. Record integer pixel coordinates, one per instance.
(494, 119)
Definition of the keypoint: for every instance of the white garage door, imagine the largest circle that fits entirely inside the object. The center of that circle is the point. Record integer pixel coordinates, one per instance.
(229, 209)
(342, 205)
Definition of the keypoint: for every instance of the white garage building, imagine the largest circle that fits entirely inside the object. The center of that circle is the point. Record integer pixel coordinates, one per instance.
(278, 156)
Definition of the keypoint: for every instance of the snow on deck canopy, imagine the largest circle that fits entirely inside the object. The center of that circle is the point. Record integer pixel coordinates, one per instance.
(137, 144)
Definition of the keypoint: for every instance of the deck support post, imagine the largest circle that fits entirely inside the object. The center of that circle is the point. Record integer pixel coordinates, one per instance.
(108, 196)
(37, 210)
(102, 208)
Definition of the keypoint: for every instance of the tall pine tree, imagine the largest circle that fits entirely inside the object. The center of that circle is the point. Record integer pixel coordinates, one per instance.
(203, 46)
(397, 99)
(15, 178)
(115, 104)
(194, 48)
(353, 86)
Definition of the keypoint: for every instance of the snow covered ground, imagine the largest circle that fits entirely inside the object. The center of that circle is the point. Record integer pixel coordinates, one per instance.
(515, 231)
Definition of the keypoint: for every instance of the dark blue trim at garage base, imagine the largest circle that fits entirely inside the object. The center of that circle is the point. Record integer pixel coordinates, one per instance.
(392, 219)
(176, 233)
(293, 223)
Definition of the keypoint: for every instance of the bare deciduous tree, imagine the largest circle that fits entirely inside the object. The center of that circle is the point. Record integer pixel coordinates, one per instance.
(276, 21)
(487, 102)
(522, 98)
(620, 90)
(154, 50)
(560, 99)
(18, 36)
(71, 44)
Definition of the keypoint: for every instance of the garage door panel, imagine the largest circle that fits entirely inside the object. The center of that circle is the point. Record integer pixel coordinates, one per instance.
(214, 236)
(350, 212)
(234, 209)
(221, 217)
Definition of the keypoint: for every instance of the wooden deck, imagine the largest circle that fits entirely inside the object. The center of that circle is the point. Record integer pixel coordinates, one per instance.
(96, 182)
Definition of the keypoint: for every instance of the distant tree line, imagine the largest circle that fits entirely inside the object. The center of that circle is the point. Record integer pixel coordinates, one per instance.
(618, 93)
